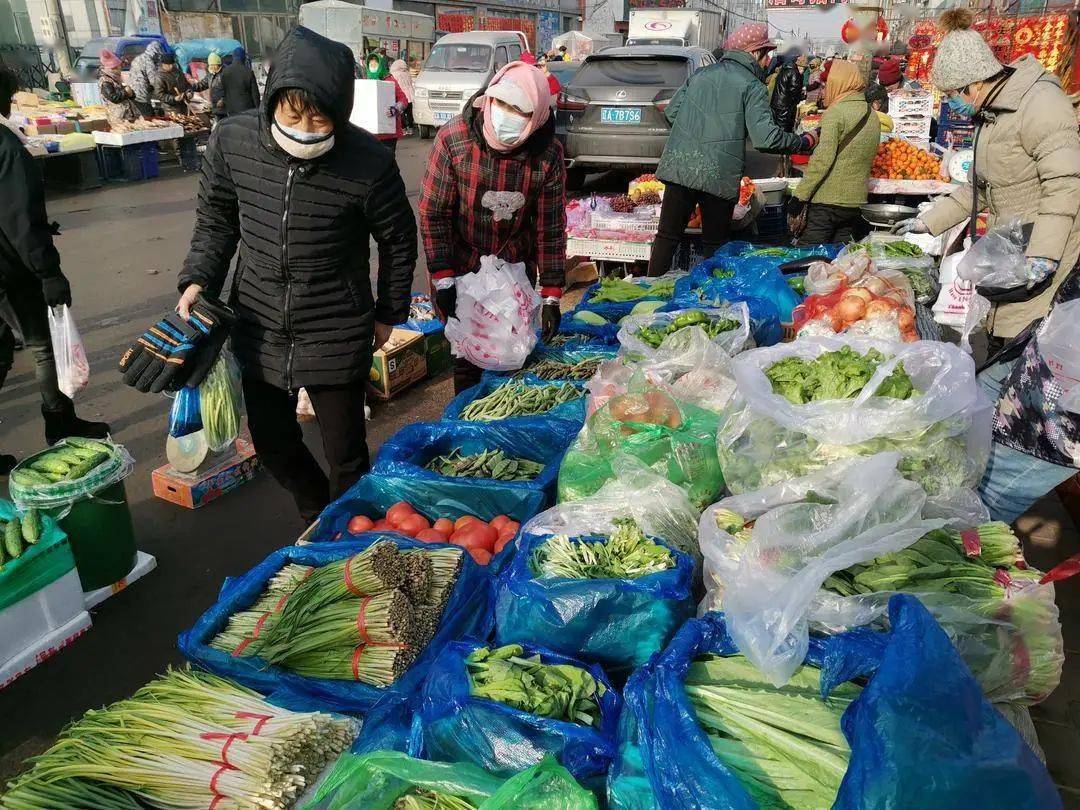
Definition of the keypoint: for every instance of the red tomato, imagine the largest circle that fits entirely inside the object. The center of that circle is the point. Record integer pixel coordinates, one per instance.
(512, 527)
(430, 536)
(398, 512)
(413, 525)
(474, 535)
(500, 544)
(498, 522)
(482, 556)
(444, 525)
(462, 521)
(360, 523)
(382, 525)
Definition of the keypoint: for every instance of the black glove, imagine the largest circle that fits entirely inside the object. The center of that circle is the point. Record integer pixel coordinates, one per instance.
(175, 352)
(550, 317)
(57, 291)
(446, 302)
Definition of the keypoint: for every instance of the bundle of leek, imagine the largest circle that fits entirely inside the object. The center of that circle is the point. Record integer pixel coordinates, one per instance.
(186, 740)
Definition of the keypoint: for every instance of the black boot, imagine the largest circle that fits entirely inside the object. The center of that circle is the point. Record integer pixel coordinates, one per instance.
(7, 463)
(62, 422)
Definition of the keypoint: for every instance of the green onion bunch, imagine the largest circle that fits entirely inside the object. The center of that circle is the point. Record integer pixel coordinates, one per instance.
(187, 739)
(626, 554)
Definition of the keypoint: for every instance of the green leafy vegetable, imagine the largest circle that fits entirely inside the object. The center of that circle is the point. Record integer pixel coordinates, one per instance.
(626, 554)
(655, 335)
(618, 290)
(840, 374)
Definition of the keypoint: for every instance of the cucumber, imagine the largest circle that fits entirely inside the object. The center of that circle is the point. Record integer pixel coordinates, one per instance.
(13, 543)
(68, 455)
(49, 463)
(31, 526)
(29, 478)
(590, 317)
(84, 467)
(89, 444)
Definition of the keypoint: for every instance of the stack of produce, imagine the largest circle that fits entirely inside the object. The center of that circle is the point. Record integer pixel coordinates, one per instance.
(18, 533)
(626, 554)
(186, 739)
(71, 461)
(654, 335)
(620, 291)
(550, 369)
(365, 618)
(519, 399)
(784, 745)
(906, 257)
(494, 464)
(902, 160)
(858, 311)
(557, 691)
(840, 374)
(482, 539)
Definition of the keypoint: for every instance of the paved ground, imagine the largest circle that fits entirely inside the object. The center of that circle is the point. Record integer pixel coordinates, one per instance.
(122, 247)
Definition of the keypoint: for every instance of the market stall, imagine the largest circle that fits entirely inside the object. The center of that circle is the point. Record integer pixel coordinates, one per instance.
(502, 608)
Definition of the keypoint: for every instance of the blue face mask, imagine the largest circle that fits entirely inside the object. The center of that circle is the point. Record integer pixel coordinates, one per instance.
(961, 107)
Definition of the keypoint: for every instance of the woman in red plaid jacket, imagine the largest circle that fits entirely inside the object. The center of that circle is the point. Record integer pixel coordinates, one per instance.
(495, 185)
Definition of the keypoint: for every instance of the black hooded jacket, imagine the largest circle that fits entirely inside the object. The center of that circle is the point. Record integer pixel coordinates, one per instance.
(786, 96)
(27, 253)
(301, 289)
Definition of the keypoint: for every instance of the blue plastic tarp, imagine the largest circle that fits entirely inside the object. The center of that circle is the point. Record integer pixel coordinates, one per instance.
(617, 623)
(921, 733)
(467, 612)
(572, 411)
(200, 49)
(503, 740)
(544, 441)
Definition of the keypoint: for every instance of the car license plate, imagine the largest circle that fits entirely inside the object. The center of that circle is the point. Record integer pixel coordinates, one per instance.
(442, 117)
(620, 115)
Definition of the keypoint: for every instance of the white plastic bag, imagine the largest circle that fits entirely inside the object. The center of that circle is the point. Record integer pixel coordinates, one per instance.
(805, 530)
(998, 258)
(953, 301)
(731, 341)
(497, 317)
(72, 367)
(1059, 345)
(942, 432)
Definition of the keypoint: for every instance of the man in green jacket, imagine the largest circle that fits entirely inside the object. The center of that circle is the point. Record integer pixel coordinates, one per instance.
(705, 156)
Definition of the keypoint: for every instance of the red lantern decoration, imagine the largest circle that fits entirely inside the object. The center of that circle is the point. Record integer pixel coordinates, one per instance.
(850, 32)
(919, 42)
(882, 29)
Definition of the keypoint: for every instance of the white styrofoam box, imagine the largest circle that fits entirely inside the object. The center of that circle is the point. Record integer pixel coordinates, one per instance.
(102, 138)
(372, 101)
(905, 104)
(35, 627)
(773, 189)
(144, 564)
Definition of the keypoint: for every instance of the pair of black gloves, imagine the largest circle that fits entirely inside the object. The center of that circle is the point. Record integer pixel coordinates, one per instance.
(550, 314)
(178, 351)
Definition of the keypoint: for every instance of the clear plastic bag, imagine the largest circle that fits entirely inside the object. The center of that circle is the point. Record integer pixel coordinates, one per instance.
(221, 403)
(998, 258)
(805, 530)
(633, 330)
(72, 366)
(1059, 345)
(942, 432)
(497, 316)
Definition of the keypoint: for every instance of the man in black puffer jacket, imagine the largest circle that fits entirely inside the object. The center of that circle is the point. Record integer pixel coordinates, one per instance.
(303, 190)
(787, 94)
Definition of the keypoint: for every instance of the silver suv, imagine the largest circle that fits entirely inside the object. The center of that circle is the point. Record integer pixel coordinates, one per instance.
(614, 106)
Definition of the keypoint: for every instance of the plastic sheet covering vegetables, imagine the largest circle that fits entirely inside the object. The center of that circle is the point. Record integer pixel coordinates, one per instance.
(334, 676)
(186, 739)
(941, 430)
(410, 452)
(919, 267)
(975, 582)
(694, 370)
(495, 399)
(434, 498)
(498, 313)
(389, 780)
(34, 552)
(728, 326)
(920, 734)
(69, 471)
(676, 439)
(467, 710)
(805, 531)
(593, 582)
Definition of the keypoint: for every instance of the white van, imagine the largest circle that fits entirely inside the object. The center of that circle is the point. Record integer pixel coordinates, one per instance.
(458, 66)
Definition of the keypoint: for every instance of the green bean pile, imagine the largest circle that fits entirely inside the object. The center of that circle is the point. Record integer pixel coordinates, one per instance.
(518, 399)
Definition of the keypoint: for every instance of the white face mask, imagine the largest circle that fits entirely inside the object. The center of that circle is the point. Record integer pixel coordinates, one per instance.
(301, 144)
(508, 126)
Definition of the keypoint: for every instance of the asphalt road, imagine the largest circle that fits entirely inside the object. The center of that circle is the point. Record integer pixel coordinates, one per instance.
(122, 247)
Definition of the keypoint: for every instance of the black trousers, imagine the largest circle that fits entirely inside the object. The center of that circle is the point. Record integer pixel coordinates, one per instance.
(406, 116)
(279, 440)
(23, 308)
(675, 212)
(832, 223)
(466, 375)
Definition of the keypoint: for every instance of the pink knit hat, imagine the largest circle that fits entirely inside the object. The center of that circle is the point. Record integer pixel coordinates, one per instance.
(108, 59)
(750, 37)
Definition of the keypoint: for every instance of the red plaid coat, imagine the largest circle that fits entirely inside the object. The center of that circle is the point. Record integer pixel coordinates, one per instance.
(468, 208)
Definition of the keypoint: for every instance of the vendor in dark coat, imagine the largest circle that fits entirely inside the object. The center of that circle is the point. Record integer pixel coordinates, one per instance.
(31, 280)
(303, 191)
(239, 88)
(787, 93)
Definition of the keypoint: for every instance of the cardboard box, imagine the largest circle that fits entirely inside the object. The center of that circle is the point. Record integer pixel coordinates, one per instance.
(437, 352)
(372, 101)
(40, 129)
(192, 490)
(92, 125)
(395, 369)
(65, 127)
